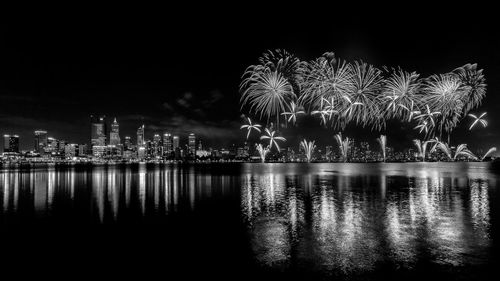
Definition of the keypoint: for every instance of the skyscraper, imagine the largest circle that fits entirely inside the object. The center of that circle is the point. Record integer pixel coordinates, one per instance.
(40, 141)
(11, 143)
(157, 145)
(192, 145)
(114, 135)
(127, 144)
(177, 148)
(176, 142)
(140, 137)
(98, 130)
(167, 144)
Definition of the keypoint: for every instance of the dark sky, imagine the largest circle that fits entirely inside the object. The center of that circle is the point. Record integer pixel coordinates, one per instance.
(178, 71)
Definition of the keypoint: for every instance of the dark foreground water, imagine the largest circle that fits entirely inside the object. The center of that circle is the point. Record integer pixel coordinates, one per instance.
(248, 221)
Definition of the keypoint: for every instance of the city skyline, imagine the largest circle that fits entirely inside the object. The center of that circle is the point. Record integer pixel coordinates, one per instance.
(141, 77)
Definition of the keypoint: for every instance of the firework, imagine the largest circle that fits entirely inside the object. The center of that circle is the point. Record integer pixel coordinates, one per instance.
(442, 94)
(428, 117)
(461, 150)
(422, 147)
(263, 151)
(367, 82)
(489, 152)
(344, 146)
(266, 93)
(478, 120)
(250, 126)
(309, 148)
(382, 140)
(474, 83)
(285, 63)
(326, 78)
(272, 139)
(401, 94)
(293, 113)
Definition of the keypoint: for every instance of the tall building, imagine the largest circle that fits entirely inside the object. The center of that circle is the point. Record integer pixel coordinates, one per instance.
(127, 144)
(98, 130)
(177, 148)
(114, 134)
(11, 143)
(167, 144)
(157, 145)
(175, 142)
(140, 137)
(40, 141)
(192, 145)
(71, 150)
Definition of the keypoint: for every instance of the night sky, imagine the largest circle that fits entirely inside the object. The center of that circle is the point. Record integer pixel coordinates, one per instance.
(179, 71)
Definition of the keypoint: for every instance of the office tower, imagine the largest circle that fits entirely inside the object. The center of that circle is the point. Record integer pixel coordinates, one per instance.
(140, 137)
(177, 148)
(176, 142)
(114, 134)
(98, 130)
(127, 144)
(11, 143)
(192, 144)
(82, 149)
(167, 144)
(157, 145)
(40, 141)
(200, 145)
(71, 150)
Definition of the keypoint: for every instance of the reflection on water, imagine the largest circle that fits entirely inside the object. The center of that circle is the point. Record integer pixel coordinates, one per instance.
(320, 217)
(354, 217)
(106, 194)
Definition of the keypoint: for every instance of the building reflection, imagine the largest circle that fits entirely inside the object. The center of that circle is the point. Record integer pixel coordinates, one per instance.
(107, 194)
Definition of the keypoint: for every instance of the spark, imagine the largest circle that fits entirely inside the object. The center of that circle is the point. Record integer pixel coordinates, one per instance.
(478, 120)
(272, 139)
(250, 126)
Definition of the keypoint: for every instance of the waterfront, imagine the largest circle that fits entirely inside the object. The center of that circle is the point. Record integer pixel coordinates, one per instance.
(351, 221)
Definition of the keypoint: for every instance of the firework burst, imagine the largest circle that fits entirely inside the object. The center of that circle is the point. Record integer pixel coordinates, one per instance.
(442, 94)
(250, 126)
(266, 93)
(263, 151)
(326, 78)
(291, 116)
(309, 148)
(273, 139)
(382, 140)
(474, 83)
(344, 146)
(489, 152)
(478, 120)
(367, 82)
(401, 94)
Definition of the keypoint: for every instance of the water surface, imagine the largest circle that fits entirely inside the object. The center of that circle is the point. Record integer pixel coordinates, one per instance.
(289, 221)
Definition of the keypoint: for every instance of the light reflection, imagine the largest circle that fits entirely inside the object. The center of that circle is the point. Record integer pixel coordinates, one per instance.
(360, 217)
(108, 193)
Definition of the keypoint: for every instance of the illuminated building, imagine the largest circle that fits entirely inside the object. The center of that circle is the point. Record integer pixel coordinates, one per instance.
(71, 150)
(140, 137)
(40, 141)
(114, 135)
(11, 143)
(192, 145)
(167, 145)
(157, 146)
(175, 142)
(177, 149)
(127, 144)
(98, 130)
